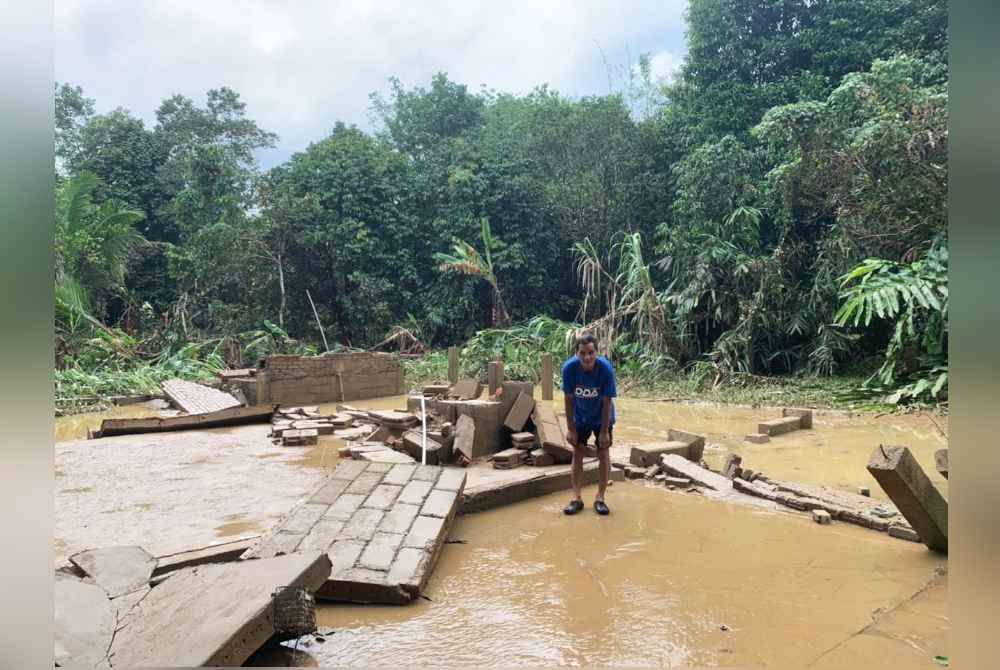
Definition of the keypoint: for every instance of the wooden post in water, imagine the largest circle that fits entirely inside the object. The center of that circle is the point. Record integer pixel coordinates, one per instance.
(453, 365)
(546, 376)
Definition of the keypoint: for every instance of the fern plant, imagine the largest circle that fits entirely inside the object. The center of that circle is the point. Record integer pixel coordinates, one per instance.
(914, 298)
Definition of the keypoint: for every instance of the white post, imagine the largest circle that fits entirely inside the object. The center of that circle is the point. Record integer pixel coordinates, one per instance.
(423, 417)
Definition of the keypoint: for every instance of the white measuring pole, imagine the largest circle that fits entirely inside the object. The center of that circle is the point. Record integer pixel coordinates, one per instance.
(423, 417)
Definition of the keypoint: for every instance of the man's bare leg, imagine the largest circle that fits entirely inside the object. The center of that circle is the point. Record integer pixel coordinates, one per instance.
(576, 472)
(603, 472)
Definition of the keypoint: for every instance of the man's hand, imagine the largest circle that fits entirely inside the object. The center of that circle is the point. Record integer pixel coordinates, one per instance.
(571, 435)
(604, 439)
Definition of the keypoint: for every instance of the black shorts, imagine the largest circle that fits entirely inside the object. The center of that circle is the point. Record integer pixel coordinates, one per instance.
(583, 434)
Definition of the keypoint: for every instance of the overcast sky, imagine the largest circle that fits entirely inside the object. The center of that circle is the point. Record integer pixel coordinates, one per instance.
(300, 66)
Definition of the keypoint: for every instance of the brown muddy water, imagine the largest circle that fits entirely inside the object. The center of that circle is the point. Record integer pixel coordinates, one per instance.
(668, 579)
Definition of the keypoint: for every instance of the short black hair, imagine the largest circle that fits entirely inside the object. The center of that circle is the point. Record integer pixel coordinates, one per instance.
(586, 337)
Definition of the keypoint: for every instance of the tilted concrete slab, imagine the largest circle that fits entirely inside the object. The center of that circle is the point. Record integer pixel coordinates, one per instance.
(680, 466)
(197, 398)
(117, 570)
(214, 615)
(382, 525)
(487, 488)
(519, 412)
(904, 481)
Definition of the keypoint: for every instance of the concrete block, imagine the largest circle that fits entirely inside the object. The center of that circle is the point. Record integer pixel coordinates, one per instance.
(386, 457)
(439, 503)
(540, 458)
(451, 479)
(677, 482)
(821, 516)
(519, 412)
(805, 416)
(695, 442)
(904, 533)
(426, 473)
(649, 454)
(913, 494)
(779, 426)
(467, 389)
(941, 462)
(732, 463)
(757, 438)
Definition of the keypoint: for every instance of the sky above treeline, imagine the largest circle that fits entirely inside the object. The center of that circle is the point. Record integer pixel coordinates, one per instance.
(301, 66)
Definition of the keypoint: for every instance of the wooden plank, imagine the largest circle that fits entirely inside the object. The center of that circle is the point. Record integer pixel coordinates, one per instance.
(226, 417)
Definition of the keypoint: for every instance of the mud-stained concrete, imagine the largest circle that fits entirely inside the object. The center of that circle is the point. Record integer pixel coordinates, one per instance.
(171, 492)
(668, 579)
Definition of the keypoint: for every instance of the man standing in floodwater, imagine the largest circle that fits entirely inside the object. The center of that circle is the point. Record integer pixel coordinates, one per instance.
(589, 386)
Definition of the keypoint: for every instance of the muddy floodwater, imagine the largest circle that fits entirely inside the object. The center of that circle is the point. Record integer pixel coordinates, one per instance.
(668, 579)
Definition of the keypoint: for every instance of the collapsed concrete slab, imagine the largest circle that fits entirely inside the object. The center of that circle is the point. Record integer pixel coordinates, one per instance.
(212, 615)
(232, 416)
(117, 570)
(382, 525)
(645, 455)
(681, 467)
(488, 488)
(913, 494)
(197, 398)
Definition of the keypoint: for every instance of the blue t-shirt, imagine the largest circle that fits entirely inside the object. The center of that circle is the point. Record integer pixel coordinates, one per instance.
(588, 390)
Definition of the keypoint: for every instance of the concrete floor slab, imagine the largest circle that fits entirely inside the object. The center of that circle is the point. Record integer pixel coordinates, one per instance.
(367, 527)
(232, 604)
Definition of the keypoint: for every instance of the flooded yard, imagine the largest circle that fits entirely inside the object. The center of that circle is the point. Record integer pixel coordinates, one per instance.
(669, 579)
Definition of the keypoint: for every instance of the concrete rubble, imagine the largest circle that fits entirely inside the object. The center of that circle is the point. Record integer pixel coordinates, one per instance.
(117, 570)
(904, 481)
(791, 419)
(113, 612)
(682, 443)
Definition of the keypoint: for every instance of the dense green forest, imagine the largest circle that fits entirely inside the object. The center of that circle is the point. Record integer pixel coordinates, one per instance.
(779, 208)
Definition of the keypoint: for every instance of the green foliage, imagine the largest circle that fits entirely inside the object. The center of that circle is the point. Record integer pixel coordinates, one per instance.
(700, 227)
(913, 298)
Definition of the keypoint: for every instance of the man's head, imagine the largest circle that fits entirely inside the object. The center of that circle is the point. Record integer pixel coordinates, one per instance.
(586, 350)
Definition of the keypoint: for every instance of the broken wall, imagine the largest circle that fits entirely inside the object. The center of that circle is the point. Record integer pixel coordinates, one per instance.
(338, 377)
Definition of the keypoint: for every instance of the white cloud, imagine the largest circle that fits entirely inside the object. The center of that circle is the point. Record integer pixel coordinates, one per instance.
(302, 66)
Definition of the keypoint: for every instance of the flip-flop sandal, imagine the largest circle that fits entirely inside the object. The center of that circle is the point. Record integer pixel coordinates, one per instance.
(601, 507)
(573, 507)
